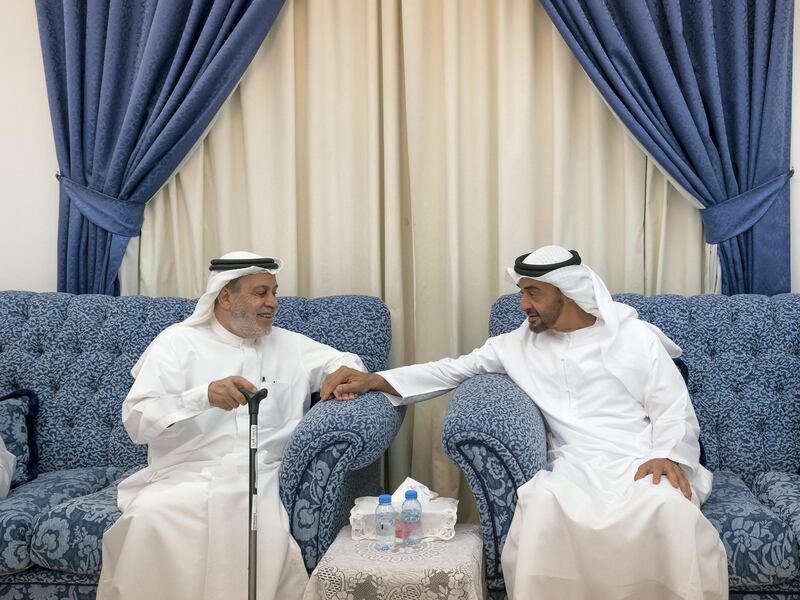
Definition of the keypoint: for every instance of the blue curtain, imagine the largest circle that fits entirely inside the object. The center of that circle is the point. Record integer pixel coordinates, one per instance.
(705, 87)
(132, 85)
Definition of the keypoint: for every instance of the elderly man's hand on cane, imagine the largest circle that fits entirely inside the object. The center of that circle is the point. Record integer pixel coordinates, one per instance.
(225, 394)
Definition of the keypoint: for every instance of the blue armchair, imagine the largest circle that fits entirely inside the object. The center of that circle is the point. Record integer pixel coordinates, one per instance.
(75, 353)
(743, 358)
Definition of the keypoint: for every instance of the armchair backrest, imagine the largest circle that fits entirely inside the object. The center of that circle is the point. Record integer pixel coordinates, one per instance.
(743, 355)
(76, 352)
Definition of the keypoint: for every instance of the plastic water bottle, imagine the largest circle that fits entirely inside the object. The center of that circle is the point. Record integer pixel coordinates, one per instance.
(384, 523)
(411, 516)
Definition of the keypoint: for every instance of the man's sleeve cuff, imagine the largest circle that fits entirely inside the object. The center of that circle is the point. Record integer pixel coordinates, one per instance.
(196, 399)
(193, 402)
(395, 400)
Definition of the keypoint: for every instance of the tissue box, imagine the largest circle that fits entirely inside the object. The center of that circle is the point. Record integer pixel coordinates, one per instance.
(438, 514)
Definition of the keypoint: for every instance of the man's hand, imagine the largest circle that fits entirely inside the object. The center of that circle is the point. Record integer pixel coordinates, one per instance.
(664, 466)
(225, 393)
(346, 384)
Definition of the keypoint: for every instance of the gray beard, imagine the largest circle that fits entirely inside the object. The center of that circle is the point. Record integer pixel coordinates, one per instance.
(246, 326)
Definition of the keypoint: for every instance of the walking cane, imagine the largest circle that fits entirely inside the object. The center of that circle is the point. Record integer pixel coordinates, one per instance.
(253, 399)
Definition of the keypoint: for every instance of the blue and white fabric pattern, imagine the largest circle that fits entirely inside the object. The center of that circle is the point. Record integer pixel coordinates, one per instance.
(20, 509)
(17, 412)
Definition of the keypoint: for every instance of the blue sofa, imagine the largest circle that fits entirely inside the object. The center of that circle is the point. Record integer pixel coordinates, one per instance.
(743, 358)
(75, 353)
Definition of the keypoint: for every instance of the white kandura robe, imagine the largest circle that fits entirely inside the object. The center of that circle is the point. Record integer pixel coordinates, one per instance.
(8, 462)
(184, 526)
(585, 529)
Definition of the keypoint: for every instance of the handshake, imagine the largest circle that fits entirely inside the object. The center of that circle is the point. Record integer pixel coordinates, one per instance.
(346, 384)
(343, 384)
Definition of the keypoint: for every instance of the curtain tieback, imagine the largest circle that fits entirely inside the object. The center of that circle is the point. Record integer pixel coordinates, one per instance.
(738, 214)
(112, 214)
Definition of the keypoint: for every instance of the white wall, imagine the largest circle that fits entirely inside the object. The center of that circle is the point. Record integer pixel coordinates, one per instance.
(29, 197)
(29, 194)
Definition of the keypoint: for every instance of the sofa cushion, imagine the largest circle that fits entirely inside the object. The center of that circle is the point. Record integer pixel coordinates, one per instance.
(761, 547)
(25, 502)
(17, 412)
(69, 536)
(781, 493)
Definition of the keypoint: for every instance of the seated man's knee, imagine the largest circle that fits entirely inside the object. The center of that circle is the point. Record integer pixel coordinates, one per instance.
(168, 500)
(667, 496)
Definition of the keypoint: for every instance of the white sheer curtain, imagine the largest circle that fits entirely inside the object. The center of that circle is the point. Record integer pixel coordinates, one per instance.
(411, 149)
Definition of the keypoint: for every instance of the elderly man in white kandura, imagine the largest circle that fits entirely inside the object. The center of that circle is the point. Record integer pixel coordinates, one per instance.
(183, 529)
(617, 515)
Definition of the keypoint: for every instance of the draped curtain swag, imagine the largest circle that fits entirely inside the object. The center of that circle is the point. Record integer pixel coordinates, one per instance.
(132, 86)
(705, 87)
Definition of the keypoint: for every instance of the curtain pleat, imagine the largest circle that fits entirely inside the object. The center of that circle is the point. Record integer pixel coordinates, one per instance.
(705, 87)
(411, 150)
(131, 88)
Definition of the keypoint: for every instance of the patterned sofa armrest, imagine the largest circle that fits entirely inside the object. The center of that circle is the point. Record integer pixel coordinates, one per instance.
(495, 434)
(331, 459)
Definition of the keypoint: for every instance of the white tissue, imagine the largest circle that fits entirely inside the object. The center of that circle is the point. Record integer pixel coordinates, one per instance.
(423, 492)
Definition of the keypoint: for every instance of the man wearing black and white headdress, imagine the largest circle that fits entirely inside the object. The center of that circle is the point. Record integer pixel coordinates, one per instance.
(183, 529)
(617, 514)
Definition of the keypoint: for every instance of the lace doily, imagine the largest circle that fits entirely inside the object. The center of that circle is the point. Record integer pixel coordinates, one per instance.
(434, 570)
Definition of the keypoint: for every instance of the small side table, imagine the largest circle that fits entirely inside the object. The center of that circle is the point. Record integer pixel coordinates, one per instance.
(435, 570)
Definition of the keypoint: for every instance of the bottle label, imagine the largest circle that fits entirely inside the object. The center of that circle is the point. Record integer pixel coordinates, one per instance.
(411, 516)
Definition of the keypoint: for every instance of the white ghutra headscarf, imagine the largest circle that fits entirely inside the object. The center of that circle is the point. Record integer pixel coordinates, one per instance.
(216, 281)
(579, 283)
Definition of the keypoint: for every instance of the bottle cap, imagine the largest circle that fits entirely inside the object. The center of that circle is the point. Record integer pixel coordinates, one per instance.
(411, 494)
(385, 499)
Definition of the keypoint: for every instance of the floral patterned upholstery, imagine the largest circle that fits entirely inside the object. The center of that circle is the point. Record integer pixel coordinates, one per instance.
(69, 536)
(331, 460)
(75, 353)
(38, 583)
(761, 547)
(24, 503)
(743, 358)
(781, 493)
(497, 450)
